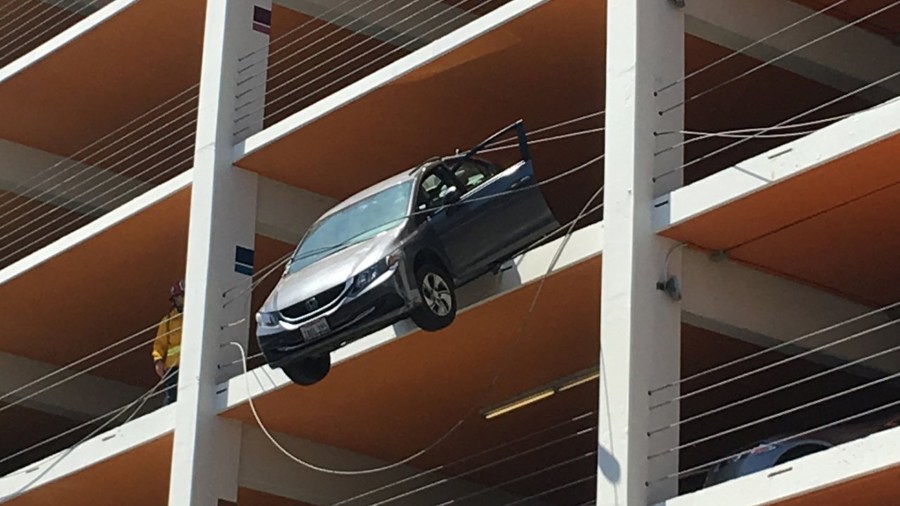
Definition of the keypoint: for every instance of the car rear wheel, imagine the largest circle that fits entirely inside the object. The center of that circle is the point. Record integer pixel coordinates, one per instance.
(438, 308)
(308, 370)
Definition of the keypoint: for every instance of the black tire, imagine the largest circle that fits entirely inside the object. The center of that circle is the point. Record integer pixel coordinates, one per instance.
(435, 287)
(308, 370)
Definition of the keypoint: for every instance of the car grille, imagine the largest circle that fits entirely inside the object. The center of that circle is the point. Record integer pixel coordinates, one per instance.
(313, 304)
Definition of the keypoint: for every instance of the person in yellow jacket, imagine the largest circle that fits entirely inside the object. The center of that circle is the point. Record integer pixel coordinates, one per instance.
(167, 345)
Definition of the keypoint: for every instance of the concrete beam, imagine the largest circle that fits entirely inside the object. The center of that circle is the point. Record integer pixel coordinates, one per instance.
(266, 469)
(80, 399)
(104, 446)
(744, 303)
(845, 61)
(68, 183)
(411, 27)
(777, 165)
(285, 212)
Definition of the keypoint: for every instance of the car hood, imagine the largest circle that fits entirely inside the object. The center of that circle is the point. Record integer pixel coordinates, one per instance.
(331, 271)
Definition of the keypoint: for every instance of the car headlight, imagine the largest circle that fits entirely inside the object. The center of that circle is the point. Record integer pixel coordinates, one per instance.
(267, 319)
(366, 277)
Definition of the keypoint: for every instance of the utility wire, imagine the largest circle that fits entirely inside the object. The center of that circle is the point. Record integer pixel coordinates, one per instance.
(83, 359)
(751, 45)
(366, 53)
(297, 28)
(779, 441)
(40, 176)
(779, 57)
(108, 170)
(270, 54)
(792, 118)
(780, 388)
(335, 57)
(592, 476)
(542, 470)
(783, 361)
(176, 167)
(726, 133)
(81, 372)
(442, 480)
(779, 346)
(547, 139)
(336, 30)
(777, 415)
(467, 458)
(65, 19)
(352, 72)
(115, 413)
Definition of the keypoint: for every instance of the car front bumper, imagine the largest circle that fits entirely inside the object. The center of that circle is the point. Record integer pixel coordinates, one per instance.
(386, 301)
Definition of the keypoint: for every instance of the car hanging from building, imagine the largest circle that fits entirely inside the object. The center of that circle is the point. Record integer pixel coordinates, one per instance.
(400, 249)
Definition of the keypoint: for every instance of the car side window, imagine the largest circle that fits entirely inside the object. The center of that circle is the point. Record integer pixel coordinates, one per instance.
(473, 174)
(431, 191)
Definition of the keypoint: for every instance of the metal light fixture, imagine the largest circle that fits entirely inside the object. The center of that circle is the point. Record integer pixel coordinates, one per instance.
(536, 395)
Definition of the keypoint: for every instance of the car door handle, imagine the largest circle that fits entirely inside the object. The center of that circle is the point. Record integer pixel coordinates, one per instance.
(521, 182)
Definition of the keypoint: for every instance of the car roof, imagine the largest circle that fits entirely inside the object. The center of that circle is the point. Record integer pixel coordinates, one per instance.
(407, 175)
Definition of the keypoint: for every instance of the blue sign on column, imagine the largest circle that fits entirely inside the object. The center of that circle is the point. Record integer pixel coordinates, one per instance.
(243, 260)
(262, 20)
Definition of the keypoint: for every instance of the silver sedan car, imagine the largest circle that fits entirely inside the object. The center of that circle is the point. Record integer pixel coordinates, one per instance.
(399, 249)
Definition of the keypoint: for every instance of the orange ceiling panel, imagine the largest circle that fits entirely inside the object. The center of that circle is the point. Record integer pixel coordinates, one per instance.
(105, 78)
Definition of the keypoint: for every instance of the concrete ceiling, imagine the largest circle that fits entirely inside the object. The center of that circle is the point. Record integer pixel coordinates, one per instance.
(122, 68)
(813, 226)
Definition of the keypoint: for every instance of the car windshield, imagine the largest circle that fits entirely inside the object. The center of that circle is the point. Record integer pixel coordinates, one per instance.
(359, 222)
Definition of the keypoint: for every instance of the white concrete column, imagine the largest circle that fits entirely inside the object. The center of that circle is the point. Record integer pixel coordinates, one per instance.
(205, 458)
(640, 325)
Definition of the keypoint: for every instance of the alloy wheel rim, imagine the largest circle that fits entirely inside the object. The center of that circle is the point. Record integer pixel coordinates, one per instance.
(436, 293)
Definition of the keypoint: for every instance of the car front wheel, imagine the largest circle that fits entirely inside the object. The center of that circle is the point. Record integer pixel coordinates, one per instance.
(308, 370)
(438, 308)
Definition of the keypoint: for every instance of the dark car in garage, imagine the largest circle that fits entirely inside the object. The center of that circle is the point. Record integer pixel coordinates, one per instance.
(400, 249)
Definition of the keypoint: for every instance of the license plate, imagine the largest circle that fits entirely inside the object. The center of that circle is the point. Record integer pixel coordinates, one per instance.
(315, 329)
